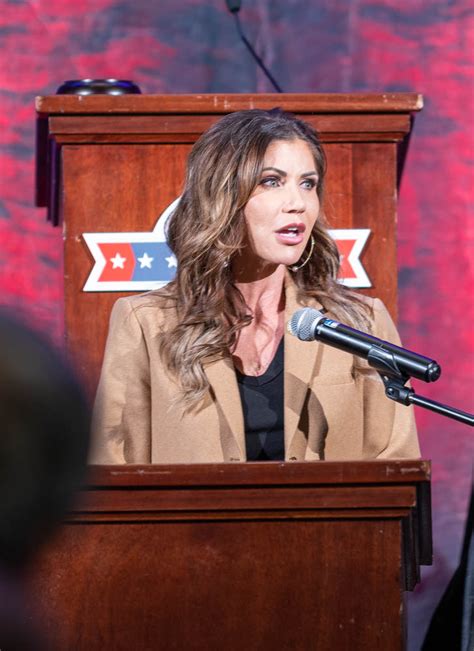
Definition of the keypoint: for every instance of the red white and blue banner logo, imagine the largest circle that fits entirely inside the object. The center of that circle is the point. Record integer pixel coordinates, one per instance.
(350, 243)
(128, 262)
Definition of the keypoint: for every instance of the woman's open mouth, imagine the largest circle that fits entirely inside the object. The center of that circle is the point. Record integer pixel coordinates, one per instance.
(291, 234)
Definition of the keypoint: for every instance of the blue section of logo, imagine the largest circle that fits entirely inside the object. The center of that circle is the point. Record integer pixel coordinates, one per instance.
(330, 323)
(153, 262)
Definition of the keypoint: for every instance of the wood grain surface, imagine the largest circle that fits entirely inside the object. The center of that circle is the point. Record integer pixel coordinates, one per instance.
(227, 102)
(243, 556)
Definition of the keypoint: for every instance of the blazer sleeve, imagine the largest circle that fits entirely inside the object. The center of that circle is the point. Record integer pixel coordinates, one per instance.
(122, 411)
(389, 427)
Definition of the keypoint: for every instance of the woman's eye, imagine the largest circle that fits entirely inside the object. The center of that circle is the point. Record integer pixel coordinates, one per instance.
(309, 184)
(270, 182)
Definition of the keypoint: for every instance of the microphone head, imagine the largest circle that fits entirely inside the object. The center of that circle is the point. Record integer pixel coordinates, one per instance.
(303, 322)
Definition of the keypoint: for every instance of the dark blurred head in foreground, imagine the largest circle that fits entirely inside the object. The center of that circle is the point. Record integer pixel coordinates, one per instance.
(44, 434)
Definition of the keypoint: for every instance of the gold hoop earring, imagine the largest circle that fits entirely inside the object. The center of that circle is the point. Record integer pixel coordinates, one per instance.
(297, 267)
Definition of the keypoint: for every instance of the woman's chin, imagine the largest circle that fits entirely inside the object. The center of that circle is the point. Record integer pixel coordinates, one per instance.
(291, 257)
(286, 260)
(280, 261)
(267, 262)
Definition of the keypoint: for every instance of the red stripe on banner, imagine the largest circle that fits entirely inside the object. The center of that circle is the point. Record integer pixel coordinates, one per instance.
(120, 262)
(344, 248)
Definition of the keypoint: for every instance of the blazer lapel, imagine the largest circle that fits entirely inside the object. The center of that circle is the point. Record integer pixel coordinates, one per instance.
(300, 359)
(222, 378)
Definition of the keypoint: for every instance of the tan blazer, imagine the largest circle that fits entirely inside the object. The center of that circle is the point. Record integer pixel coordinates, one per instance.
(335, 407)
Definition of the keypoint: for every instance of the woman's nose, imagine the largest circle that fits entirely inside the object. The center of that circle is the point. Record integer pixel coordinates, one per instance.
(294, 200)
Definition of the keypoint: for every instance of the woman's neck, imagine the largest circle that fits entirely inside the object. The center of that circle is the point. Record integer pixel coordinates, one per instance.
(258, 341)
(264, 295)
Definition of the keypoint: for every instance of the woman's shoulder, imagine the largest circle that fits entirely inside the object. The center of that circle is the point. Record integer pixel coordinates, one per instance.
(382, 324)
(374, 316)
(377, 308)
(155, 306)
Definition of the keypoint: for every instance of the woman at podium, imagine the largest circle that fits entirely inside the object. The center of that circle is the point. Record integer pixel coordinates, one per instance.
(204, 370)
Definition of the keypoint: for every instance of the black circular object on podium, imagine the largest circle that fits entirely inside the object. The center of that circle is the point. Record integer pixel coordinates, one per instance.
(98, 87)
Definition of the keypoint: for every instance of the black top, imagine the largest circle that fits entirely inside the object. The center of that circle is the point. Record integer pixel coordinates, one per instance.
(262, 404)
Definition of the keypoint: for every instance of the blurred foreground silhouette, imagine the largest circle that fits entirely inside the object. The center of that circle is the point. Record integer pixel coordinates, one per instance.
(44, 421)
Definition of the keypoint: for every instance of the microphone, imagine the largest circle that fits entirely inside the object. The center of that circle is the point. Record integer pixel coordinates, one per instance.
(309, 324)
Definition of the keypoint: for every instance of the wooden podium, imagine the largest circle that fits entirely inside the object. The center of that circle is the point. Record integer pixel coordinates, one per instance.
(257, 556)
(224, 557)
(114, 164)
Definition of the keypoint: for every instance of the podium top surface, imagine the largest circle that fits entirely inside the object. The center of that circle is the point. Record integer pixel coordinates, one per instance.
(225, 103)
(352, 473)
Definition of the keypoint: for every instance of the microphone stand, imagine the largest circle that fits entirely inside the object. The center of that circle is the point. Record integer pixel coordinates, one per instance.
(234, 8)
(394, 381)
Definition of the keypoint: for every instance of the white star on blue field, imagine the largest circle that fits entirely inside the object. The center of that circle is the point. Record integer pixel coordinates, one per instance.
(154, 262)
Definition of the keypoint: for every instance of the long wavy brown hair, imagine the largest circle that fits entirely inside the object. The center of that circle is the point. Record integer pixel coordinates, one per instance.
(207, 230)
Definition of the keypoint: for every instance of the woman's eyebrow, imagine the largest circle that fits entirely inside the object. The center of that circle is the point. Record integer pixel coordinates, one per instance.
(275, 169)
(282, 173)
